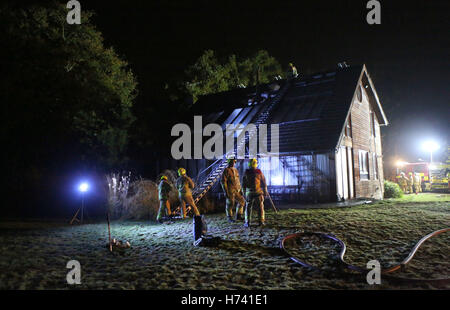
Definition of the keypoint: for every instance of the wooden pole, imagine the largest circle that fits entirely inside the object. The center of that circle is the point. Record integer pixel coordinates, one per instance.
(82, 207)
(271, 203)
(74, 218)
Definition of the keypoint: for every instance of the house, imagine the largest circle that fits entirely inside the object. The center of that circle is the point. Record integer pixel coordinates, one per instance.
(329, 136)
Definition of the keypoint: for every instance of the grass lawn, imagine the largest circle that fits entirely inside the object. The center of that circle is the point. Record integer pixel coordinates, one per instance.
(35, 254)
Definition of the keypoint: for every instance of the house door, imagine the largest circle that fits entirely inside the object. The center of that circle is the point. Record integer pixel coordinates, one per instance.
(350, 178)
(342, 180)
(344, 173)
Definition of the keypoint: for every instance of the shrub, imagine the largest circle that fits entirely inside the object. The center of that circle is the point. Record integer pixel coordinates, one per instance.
(142, 201)
(392, 190)
(207, 205)
(117, 192)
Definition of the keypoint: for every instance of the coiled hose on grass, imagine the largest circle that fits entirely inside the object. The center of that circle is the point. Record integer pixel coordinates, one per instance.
(384, 272)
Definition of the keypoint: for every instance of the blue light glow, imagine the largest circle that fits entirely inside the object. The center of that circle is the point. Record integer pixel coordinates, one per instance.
(277, 180)
(83, 187)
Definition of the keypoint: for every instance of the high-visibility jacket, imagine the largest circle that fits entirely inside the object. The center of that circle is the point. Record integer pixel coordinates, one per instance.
(163, 190)
(185, 185)
(230, 180)
(254, 183)
(402, 180)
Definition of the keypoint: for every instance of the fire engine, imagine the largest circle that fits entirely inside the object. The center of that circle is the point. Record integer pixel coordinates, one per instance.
(435, 176)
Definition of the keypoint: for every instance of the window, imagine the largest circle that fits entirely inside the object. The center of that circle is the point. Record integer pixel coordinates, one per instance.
(372, 123)
(375, 166)
(348, 127)
(363, 165)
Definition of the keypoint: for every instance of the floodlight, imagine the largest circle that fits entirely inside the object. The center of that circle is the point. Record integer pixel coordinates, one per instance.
(430, 146)
(83, 187)
(400, 163)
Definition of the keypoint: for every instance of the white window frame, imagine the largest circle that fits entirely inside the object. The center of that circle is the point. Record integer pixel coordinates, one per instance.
(363, 157)
(373, 131)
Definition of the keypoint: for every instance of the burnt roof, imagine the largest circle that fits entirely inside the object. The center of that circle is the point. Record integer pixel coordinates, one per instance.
(311, 114)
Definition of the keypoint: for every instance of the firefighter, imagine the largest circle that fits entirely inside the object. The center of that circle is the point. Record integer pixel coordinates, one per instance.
(416, 183)
(422, 183)
(403, 182)
(232, 190)
(292, 71)
(410, 183)
(185, 186)
(255, 188)
(164, 188)
(398, 180)
(448, 178)
(418, 180)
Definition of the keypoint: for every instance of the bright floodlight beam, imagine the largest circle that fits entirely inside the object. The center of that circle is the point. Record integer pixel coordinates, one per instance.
(400, 163)
(83, 187)
(430, 146)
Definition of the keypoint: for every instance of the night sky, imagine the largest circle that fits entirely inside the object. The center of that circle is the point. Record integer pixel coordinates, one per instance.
(407, 55)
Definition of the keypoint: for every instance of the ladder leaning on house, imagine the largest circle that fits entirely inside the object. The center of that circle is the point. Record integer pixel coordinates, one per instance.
(217, 168)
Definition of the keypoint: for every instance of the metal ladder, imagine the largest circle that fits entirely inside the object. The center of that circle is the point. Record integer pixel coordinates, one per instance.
(219, 165)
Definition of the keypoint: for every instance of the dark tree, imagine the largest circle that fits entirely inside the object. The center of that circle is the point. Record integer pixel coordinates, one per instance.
(210, 75)
(66, 97)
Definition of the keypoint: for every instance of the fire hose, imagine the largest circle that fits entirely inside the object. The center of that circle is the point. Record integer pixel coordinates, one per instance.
(384, 272)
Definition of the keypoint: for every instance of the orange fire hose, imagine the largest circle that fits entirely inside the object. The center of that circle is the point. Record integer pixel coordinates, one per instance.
(384, 272)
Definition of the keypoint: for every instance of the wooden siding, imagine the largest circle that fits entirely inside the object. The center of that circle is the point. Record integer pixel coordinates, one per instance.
(363, 139)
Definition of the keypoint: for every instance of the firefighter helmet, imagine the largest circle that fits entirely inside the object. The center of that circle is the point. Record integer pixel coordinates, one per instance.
(163, 177)
(181, 171)
(230, 160)
(253, 163)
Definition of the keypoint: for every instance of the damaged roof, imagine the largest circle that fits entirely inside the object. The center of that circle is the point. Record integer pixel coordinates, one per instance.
(311, 114)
